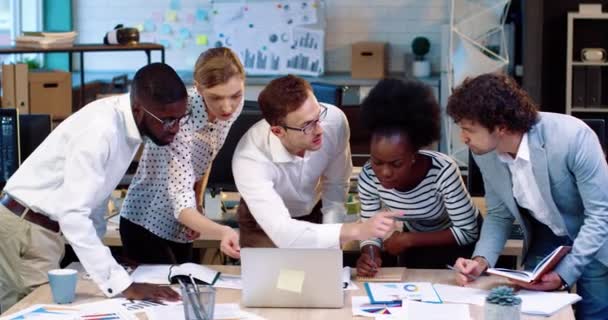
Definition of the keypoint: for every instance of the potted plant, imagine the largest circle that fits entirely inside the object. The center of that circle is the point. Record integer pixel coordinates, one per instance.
(421, 67)
(502, 304)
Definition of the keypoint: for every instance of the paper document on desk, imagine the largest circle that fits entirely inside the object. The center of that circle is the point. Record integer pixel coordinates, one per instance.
(545, 303)
(386, 292)
(361, 306)
(229, 281)
(109, 309)
(220, 311)
(455, 294)
(44, 311)
(533, 302)
(431, 311)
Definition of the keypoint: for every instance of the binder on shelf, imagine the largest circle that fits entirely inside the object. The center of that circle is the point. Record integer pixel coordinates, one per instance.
(8, 86)
(22, 88)
(579, 79)
(594, 87)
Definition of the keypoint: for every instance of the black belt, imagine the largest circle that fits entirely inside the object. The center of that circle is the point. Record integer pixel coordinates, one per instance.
(31, 216)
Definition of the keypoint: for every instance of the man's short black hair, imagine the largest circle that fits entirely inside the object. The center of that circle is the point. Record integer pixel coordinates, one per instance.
(403, 106)
(157, 84)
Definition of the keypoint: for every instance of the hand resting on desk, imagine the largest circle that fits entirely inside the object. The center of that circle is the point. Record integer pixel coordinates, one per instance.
(147, 291)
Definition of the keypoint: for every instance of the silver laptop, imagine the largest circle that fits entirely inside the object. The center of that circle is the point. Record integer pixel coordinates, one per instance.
(292, 278)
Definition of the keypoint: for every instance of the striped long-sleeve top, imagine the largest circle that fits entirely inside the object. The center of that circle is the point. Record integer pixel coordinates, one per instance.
(439, 202)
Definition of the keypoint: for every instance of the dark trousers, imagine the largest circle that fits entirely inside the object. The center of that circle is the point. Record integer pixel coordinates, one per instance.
(252, 235)
(141, 246)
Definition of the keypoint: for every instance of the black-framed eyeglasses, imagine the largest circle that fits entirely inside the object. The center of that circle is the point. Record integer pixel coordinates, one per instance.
(309, 127)
(170, 122)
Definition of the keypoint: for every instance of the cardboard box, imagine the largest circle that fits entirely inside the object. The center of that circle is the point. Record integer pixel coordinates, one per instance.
(369, 60)
(8, 86)
(21, 88)
(51, 93)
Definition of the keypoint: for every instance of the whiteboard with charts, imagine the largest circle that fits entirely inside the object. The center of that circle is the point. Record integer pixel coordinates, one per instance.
(272, 37)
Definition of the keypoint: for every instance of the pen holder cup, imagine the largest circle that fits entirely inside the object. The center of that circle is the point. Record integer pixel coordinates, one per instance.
(198, 305)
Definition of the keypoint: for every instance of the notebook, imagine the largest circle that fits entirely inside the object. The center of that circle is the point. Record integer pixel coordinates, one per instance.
(385, 275)
(164, 273)
(547, 264)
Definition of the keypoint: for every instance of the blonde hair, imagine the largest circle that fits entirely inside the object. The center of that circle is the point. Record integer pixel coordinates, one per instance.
(216, 66)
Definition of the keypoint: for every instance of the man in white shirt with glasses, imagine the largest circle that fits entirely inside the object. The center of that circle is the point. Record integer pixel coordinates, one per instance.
(292, 169)
(61, 190)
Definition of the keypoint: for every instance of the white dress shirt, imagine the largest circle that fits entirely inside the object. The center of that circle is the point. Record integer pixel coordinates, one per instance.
(163, 185)
(525, 189)
(277, 185)
(71, 174)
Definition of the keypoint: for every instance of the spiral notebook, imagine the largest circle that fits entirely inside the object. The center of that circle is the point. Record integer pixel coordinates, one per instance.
(385, 275)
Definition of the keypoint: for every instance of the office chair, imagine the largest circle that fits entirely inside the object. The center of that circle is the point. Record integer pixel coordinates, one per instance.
(328, 93)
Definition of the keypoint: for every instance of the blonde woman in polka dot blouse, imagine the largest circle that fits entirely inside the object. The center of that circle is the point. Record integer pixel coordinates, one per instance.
(161, 199)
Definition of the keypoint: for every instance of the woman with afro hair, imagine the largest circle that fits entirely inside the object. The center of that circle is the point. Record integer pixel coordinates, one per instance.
(440, 221)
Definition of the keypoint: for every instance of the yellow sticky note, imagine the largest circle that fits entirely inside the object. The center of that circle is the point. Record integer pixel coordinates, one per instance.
(291, 280)
(202, 40)
(140, 27)
(171, 16)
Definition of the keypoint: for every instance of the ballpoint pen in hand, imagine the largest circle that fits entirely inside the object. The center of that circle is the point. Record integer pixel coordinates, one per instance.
(469, 276)
(372, 257)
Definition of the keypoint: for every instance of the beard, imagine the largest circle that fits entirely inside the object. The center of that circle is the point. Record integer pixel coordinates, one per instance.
(146, 132)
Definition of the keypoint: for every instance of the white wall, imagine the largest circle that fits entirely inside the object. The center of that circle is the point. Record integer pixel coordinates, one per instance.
(395, 21)
(348, 21)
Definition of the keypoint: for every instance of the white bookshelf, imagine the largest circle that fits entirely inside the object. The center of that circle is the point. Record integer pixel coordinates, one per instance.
(593, 13)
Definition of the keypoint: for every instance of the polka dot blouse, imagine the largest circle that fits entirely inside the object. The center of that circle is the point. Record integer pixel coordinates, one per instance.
(164, 182)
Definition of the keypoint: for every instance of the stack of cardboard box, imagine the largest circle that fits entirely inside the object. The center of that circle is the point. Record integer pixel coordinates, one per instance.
(48, 92)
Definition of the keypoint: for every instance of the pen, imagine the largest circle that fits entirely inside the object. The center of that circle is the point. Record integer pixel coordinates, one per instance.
(470, 277)
(371, 255)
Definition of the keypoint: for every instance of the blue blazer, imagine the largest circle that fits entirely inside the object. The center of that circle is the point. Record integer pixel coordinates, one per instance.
(571, 172)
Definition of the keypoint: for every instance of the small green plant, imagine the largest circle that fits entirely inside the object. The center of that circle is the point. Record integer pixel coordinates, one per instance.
(503, 296)
(32, 64)
(420, 47)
